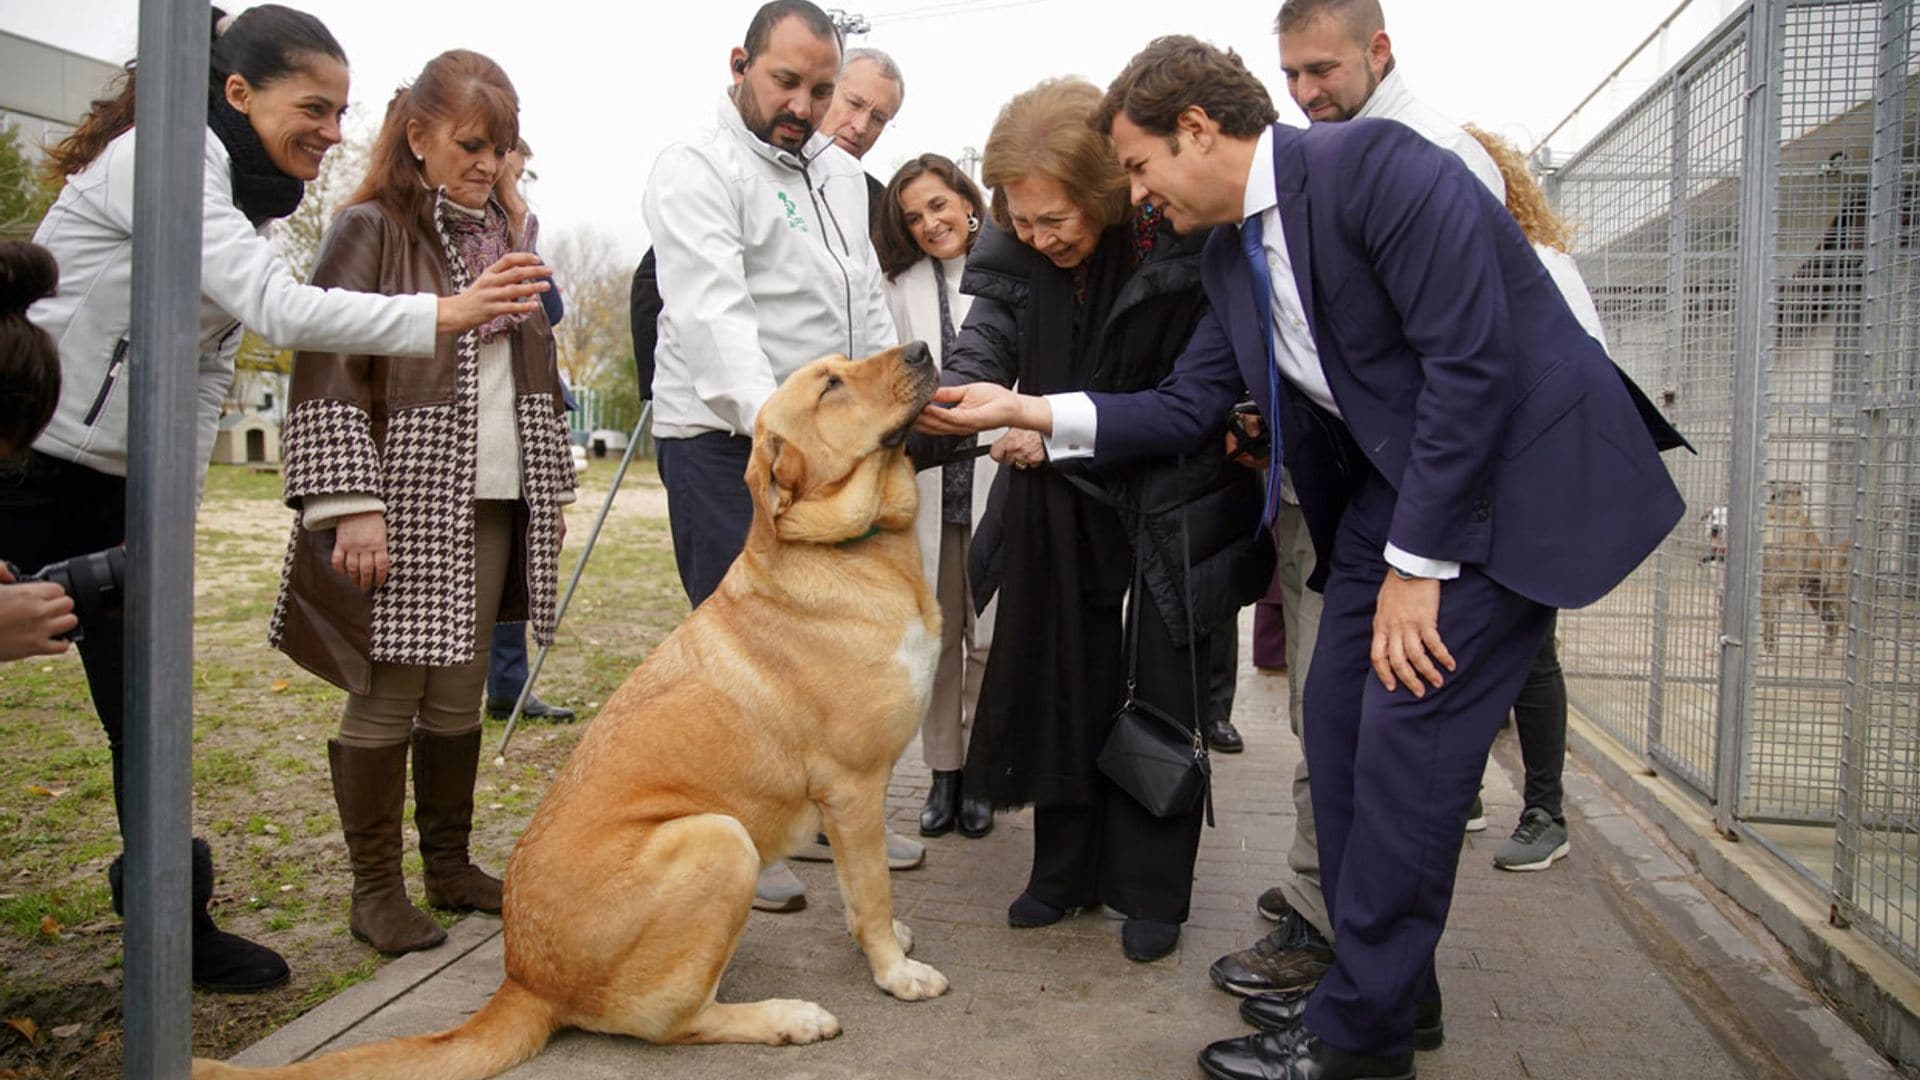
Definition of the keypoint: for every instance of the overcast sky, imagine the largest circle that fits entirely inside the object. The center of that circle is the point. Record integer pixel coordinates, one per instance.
(605, 85)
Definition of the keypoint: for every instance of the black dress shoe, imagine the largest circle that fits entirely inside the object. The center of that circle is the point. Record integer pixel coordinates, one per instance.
(1221, 736)
(1280, 1011)
(535, 710)
(1293, 1056)
(976, 816)
(1144, 940)
(942, 810)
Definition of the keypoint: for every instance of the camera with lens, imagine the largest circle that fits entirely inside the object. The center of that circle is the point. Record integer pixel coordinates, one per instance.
(97, 583)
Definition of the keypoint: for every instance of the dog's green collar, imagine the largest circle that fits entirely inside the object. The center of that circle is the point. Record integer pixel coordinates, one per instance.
(868, 535)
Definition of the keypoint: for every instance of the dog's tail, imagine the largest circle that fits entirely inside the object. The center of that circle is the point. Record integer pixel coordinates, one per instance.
(508, 1030)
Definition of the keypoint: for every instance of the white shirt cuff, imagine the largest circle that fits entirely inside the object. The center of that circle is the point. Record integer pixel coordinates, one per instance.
(1074, 423)
(325, 511)
(1418, 566)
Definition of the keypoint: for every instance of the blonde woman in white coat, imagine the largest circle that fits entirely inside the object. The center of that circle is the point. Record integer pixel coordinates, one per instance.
(931, 215)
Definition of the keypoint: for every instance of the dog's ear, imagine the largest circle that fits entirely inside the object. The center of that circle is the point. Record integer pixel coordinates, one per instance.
(774, 475)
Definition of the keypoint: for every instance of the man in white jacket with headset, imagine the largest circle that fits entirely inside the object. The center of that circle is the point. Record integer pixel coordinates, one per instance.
(759, 226)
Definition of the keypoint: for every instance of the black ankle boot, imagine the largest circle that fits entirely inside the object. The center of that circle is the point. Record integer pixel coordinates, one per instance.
(943, 804)
(976, 816)
(222, 963)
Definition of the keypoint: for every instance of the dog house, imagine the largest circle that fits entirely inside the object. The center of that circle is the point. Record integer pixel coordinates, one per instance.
(247, 439)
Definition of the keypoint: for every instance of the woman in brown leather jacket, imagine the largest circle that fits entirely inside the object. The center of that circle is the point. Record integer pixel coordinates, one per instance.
(428, 497)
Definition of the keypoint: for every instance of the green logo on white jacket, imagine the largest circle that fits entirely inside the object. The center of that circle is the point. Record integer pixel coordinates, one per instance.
(794, 220)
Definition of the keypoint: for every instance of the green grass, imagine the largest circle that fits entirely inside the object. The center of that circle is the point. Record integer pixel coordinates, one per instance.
(24, 916)
(331, 984)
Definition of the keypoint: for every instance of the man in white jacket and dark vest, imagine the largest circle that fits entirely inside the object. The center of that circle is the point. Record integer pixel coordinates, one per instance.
(759, 226)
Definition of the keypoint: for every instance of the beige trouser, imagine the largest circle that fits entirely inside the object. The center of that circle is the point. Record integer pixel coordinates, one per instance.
(1301, 612)
(445, 700)
(964, 641)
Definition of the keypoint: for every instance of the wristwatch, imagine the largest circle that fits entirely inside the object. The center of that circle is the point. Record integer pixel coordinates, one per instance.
(1402, 574)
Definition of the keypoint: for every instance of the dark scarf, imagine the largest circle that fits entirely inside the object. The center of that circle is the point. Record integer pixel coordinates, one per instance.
(260, 189)
(481, 241)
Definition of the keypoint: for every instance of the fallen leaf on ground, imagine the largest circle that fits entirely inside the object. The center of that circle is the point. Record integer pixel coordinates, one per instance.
(50, 926)
(28, 1030)
(280, 685)
(45, 791)
(65, 1031)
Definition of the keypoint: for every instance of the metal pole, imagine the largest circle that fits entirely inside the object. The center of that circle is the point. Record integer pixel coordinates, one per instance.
(170, 119)
(593, 537)
(1753, 358)
(1879, 341)
(1681, 91)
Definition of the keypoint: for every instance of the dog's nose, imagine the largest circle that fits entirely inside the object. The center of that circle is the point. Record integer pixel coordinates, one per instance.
(916, 354)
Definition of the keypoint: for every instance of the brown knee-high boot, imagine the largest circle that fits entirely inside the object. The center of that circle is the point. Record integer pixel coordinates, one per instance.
(444, 767)
(370, 786)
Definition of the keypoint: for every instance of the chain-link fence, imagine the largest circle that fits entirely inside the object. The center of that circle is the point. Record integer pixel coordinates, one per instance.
(1748, 229)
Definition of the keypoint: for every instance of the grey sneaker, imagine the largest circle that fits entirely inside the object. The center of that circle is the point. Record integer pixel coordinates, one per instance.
(1537, 843)
(779, 889)
(903, 852)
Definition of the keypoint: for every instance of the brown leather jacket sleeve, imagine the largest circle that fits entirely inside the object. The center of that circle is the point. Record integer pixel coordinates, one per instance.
(328, 442)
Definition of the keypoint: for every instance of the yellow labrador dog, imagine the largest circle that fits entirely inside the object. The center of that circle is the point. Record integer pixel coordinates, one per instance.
(776, 709)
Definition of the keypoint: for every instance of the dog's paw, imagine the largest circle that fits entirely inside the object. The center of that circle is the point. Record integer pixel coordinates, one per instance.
(904, 935)
(911, 980)
(799, 1022)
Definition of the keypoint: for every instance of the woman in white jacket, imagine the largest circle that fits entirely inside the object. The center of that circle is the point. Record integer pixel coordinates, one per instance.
(930, 217)
(276, 89)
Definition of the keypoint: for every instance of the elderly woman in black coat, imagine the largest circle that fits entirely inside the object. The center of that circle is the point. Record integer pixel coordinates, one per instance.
(1085, 293)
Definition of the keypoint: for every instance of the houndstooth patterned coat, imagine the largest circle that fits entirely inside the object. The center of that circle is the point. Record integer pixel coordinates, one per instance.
(405, 430)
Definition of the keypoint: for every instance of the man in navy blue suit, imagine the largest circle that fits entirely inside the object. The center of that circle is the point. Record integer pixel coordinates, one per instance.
(1466, 456)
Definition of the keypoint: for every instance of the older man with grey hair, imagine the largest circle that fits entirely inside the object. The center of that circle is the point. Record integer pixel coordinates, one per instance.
(866, 98)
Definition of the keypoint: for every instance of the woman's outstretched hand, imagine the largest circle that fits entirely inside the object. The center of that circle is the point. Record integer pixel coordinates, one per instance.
(511, 286)
(977, 407)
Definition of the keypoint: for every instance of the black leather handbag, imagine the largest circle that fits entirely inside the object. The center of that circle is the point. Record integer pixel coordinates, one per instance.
(1159, 761)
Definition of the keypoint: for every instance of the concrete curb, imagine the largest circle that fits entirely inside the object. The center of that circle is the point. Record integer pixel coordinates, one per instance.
(1875, 993)
(318, 1030)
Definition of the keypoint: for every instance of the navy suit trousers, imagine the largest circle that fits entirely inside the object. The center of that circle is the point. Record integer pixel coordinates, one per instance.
(1394, 775)
(708, 506)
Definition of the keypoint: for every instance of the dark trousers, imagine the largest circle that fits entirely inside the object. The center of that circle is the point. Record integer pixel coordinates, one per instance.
(1223, 669)
(708, 506)
(52, 510)
(1393, 776)
(1111, 850)
(507, 663)
(1540, 718)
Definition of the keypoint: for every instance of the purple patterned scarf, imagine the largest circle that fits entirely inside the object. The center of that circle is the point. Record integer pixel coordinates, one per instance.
(481, 241)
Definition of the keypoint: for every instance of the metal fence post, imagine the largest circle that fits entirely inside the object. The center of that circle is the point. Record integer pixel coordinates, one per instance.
(1879, 340)
(1676, 285)
(162, 481)
(1752, 357)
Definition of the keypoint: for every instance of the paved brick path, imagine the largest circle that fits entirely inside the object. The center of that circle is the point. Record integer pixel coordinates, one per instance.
(1563, 974)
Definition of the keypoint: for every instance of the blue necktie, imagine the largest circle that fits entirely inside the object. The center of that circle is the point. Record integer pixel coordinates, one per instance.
(1253, 246)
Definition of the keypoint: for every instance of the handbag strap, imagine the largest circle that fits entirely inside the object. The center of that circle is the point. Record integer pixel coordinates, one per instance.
(1200, 748)
(1132, 615)
(1201, 751)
